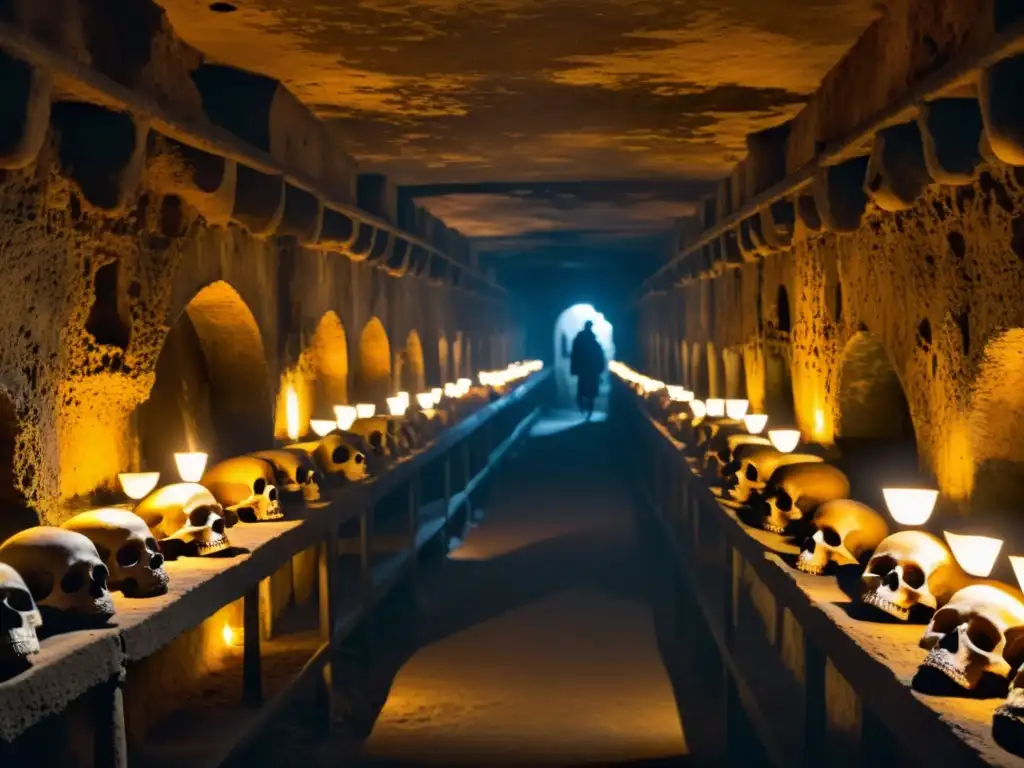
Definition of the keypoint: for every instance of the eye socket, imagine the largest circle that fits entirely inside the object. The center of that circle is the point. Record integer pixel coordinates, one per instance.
(151, 545)
(20, 600)
(100, 574)
(273, 494)
(259, 486)
(127, 556)
(751, 473)
(199, 516)
(831, 537)
(376, 439)
(882, 565)
(783, 501)
(340, 455)
(360, 458)
(913, 576)
(983, 634)
(302, 475)
(218, 526)
(73, 581)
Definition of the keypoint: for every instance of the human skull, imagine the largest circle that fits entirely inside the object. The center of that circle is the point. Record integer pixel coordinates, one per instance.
(720, 449)
(128, 548)
(403, 438)
(910, 569)
(708, 429)
(63, 572)
(186, 519)
(1009, 717)
(19, 617)
(967, 637)
(426, 424)
(755, 466)
(294, 471)
(795, 490)
(340, 453)
(845, 532)
(244, 486)
(379, 433)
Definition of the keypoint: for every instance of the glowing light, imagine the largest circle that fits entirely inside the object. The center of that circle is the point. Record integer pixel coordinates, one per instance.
(784, 440)
(137, 485)
(910, 506)
(323, 426)
(451, 390)
(755, 422)
(346, 416)
(976, 554)
(438, 393)
(736, 409)
(1017, 561)
(425, 400)
(231, 636)
(819, 422)
(191, 465)
(652, 385)
(397, 406)
(405, 398)
(715, 407)
(698, 408)
(365, 410)
(676, 392)
(291, 411)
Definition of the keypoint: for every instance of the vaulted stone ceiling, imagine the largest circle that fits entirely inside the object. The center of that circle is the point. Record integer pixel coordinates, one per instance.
(463, 92)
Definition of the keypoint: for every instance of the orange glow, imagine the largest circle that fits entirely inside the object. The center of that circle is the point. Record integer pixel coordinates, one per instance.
(232, 637)
(291, 406)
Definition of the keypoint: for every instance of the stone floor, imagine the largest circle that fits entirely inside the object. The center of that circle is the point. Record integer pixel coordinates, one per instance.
(535, 641)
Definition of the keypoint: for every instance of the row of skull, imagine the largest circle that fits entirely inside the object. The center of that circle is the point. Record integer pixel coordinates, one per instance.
(68, 572)
(975, 629)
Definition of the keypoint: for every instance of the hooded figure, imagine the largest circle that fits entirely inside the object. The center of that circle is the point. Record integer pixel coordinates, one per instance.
(587, 365)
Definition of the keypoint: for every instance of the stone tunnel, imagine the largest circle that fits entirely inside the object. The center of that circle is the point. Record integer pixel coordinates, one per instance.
(308, 458)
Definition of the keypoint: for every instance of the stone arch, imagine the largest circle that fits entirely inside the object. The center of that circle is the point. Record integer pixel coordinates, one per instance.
(411, 375)
(735, 374)
(211, 389)
(329, 352)
(716, 373)
(699, 371)
(997, 425)
(373, 377)
(442, 361)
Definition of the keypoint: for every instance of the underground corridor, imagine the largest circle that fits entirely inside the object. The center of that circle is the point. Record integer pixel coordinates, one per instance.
(599, 382)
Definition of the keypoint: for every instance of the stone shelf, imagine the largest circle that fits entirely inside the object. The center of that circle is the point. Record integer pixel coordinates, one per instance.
(71, 664)
(782, 632)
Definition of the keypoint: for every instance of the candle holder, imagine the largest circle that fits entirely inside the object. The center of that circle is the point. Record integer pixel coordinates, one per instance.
(736, 408)
(910, 506)
(138, 485)
(785, 440)
(346, 416)
(323, 427)
(365, 410)
(755, 422)
(976, 554)
(191, 465)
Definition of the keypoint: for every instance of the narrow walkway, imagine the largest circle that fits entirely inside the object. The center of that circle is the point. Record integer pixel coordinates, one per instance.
(537, 643)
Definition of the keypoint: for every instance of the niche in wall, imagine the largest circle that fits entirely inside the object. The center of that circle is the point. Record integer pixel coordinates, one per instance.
(329, 352)
(373, 379)
(411, 375)
(211, 389)
(735, 373)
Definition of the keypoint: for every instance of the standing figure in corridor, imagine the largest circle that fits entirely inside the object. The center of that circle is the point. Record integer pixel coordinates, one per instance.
(587, 365)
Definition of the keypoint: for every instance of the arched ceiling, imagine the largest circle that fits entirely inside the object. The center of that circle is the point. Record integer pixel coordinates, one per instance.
(450, 92)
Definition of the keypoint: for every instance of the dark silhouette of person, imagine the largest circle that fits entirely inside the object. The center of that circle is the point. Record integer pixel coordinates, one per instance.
(587, 365)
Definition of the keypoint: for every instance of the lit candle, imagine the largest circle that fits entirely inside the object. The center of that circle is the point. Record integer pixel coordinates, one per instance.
(191, 465)
(425, 400)
(137, 485)
(451, 390)
(323, 426)
(736, 409)
(291, 411)
(976, 554)
(365, 410)
(715, 407)
(910, 506)
(438, 393)
(784, 440)
(699, 411)
(397, 406)
(346, 416)
(755, 422)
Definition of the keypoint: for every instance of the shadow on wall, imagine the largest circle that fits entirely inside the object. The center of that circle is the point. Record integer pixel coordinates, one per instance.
(568, 324)
(211, 389)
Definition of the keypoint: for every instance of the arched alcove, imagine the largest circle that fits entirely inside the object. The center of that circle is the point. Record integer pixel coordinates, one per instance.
(211, 388)
(373, 378)
(875, 432)
(699, 371)
(778, 386)
(782, 308)
(716, 373)
(412, 376)
(442, 362)
(329, 349)
(567, 326)
(735, 373)
(997, 426)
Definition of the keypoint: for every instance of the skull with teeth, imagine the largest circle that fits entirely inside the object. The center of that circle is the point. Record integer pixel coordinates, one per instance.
(720, 450)
(294, 471)
(968, 637)
(379, 433)
(19, 617)
(795, 490)
(186, 519)
(344, 454)
(910, 570)
(747, 475)
(244, 486)
(127, 547)
(63, 572)
(846, 531)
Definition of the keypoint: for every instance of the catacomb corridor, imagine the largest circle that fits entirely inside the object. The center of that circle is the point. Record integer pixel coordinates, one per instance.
(306, 458)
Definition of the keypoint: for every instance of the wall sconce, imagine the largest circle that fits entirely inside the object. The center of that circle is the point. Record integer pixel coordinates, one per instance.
(137, 485)
(910, 506)
(233, 637)
(736, 409)
(365, 410)
(323, 426)
(438, 393)
(699, 410)
(346, 416)
(425, 400)
(397, 406)
(976, 554)
(191, 466)
(784, 440)
(715, 407)
(755, 422)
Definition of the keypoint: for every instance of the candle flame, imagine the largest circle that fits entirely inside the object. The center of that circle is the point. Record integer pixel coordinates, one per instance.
(291, 410)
